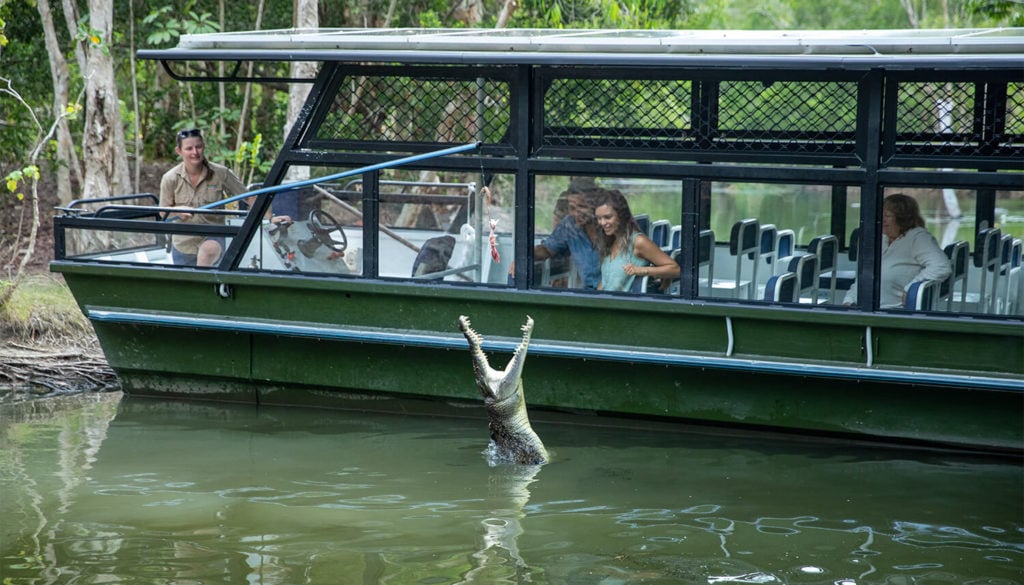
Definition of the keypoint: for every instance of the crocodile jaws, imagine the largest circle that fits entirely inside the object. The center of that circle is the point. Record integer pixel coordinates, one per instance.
(512, 438)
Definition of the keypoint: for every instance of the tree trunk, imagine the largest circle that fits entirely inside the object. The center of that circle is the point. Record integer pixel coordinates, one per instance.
(240, 138)
(71, 21)
(67, 159)
(106, 163)
(306, 15)
(137, 130)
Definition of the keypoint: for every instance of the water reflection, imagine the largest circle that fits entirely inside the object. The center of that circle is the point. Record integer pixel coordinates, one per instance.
(146, 491)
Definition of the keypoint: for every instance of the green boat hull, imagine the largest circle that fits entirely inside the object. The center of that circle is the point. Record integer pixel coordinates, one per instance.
(265, 339)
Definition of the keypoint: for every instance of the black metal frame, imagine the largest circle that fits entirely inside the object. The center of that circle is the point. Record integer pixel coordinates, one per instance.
(872, 155)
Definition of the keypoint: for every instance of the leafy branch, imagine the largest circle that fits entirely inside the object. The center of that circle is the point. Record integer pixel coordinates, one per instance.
(29, 176)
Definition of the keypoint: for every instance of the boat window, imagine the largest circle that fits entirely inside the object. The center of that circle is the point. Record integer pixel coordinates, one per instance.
(567, 235)
(137, 231)
(437, 226)
(980, 259)
(315, 228)
(776, 242)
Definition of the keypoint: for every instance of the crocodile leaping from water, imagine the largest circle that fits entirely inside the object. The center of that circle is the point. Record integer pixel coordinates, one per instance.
(512, 438)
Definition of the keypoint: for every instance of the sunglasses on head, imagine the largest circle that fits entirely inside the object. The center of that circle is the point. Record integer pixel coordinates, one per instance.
(189, 133)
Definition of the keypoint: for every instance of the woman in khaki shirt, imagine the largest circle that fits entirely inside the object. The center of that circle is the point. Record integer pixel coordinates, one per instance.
(193, 183)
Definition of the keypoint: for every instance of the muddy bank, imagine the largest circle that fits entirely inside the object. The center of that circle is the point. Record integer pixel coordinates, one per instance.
(29, 371)
(47, 347)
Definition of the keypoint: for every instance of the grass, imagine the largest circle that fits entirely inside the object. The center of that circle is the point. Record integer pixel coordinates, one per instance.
(42, 309)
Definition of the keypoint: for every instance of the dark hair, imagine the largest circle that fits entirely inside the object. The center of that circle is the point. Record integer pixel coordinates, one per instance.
(627, 225)
(187, 134)
(905, 211)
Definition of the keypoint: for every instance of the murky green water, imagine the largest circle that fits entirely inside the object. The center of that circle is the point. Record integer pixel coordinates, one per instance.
(101, 490)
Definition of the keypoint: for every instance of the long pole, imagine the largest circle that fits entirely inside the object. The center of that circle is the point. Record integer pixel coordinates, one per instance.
(376, 167)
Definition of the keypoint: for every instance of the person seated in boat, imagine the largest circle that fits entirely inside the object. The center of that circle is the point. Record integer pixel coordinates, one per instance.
(626, 252)
(909, 252)
(195, 182)
(576, 235)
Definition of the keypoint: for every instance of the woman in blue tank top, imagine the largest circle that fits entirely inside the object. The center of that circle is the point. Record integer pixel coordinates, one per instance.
(627, 253)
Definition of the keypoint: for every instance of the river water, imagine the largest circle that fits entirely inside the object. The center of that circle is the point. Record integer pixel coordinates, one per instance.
(108, 489)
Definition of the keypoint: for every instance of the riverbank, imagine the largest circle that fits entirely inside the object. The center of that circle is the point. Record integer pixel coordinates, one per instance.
(49, 347)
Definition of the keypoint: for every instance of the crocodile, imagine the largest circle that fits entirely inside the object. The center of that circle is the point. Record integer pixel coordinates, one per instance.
(513, 440)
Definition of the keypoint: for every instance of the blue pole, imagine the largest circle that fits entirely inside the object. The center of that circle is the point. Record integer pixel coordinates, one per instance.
(342, 175)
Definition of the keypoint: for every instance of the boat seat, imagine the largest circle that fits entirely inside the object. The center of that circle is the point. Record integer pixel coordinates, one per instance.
(1015, 286)
(769, 238)
(785, 249)
(806, 269)
(826, 248)
(675, 237)
(557, 269)
(986, 257)
(921, 295)
(846, 278)
(640, 285)
(958, 253)
(433, 258)
(644, 222)
(1009, 257)
(1015, 291)
(743, 244)
(705, 258)
(781, 288)
(659, 234)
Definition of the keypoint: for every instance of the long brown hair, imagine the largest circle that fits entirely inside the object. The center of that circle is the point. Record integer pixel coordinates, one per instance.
(905, 211)
(627, 224)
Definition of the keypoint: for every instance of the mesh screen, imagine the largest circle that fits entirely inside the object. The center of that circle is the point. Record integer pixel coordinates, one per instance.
(617, 112)
(410, 109)
(752, 115)
(954, 118)
(806, 116)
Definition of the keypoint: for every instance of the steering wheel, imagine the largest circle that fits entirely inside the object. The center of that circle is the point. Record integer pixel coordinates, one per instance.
(321, 224)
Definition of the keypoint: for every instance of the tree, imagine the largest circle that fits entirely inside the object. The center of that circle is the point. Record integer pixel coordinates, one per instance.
(106, 162)
(67, 159)
(306, 15)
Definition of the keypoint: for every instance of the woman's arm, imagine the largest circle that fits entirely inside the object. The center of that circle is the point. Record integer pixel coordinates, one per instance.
(662, 265)
(926, 252)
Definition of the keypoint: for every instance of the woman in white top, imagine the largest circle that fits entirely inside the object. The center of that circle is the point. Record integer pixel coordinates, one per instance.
(909, 254)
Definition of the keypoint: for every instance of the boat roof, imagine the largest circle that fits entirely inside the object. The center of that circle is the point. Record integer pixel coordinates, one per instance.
(973, 47)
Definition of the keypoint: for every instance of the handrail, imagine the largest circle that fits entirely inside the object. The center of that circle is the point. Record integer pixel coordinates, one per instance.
(344, 174)
(71, 207)
(147, 209)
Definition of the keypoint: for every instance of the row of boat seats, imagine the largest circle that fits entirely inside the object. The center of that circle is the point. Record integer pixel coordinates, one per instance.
(793, 274)
(998, 259)
(814, 275)
(756, 247)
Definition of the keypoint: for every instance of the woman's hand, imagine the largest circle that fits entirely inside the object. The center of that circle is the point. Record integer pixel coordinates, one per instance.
(634, 270)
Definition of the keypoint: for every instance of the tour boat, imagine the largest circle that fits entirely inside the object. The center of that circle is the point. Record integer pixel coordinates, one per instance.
(428, 164)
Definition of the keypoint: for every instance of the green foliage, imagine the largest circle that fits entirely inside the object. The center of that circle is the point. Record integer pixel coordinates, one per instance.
(250, 160)
(91, 35)
(166, 104)
(1002, 12)
(167, 28)
(19, 178)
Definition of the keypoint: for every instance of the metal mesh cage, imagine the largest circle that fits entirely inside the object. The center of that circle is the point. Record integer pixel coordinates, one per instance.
(961, 118)
(802, 116)
(783, 115)
(617, 112)
(403, 109)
